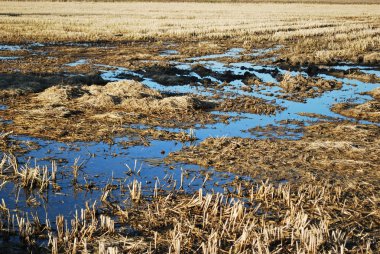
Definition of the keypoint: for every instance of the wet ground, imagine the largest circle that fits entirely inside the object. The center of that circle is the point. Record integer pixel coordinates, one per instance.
(216, 77)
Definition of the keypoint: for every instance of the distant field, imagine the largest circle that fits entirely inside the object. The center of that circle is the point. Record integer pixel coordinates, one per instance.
(327, 31)
(227, 1)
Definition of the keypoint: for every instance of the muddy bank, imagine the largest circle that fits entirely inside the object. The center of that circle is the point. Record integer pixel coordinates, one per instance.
(327, 150)
(354, 73)
(369, 110)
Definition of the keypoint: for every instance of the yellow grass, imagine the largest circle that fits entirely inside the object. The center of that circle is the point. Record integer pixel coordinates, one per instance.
(311, 32)
(75, 21)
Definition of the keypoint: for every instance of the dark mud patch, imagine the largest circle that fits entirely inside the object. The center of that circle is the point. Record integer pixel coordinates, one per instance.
(17, 84)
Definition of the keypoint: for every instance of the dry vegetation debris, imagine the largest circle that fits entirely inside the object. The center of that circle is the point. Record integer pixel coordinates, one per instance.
(299, 87)
(316, 217)
(369, 110)
(101, 112)
(67, 112)
(327, 149)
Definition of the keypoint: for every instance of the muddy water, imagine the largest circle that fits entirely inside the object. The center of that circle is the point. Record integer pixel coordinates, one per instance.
(111, 164)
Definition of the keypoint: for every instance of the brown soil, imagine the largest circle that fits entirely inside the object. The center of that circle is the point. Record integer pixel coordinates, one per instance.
(273, 131)
(17, 84)
(369, 110)
(96, 112)
(328, 149)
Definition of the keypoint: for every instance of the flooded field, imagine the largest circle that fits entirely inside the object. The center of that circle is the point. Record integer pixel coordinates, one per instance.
(189, 128)
(79, 146)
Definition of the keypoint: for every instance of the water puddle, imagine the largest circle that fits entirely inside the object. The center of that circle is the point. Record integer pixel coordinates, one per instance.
(9, 48)
(233, 53)
(9, 58)
(77, 63)
(169, 52)
(115, 164)
(351, 90)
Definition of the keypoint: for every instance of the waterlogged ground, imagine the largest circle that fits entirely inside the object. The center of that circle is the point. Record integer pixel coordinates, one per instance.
(217, 77)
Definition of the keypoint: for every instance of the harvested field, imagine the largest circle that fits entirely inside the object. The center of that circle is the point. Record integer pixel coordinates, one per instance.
(189, 127)
(350, 32)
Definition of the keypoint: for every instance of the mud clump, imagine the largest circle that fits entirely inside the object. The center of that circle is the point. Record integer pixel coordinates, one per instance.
(298, 88)
(60, 94)
(131, 96)
(369, 110)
